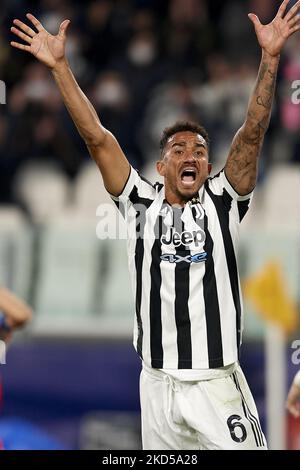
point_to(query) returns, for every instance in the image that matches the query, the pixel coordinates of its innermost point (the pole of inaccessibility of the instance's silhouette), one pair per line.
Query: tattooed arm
(242, 163)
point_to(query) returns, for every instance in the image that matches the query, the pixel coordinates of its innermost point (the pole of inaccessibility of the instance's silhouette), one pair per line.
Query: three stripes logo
(251, 418)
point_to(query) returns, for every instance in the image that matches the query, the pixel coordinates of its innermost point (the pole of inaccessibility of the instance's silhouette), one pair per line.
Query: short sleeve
(229, 188)
(137, 190)
(132, 181)
(221, 187)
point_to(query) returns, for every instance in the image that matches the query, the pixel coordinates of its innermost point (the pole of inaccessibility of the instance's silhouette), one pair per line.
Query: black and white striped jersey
(183, 269)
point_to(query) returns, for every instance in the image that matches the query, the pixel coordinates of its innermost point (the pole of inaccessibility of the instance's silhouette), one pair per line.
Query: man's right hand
(102, 145)
(44, 46)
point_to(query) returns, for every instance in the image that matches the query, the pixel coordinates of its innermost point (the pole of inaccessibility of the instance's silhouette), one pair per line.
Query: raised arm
(242, 163)
(101, 144)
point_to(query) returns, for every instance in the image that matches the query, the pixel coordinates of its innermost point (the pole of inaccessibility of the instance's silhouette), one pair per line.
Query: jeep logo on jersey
(185, 238)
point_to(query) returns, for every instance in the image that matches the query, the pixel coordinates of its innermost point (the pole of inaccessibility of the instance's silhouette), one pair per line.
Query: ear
(209, 166)
(160, 166)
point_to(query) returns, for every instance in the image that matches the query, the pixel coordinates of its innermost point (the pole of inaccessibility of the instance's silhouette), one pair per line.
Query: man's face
(184, 166)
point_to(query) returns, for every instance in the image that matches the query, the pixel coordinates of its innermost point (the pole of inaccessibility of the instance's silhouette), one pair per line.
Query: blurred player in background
(181, 247)
(293, 399)
(14, 314)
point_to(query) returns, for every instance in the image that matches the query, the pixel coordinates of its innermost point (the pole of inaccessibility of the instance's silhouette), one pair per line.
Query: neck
(177, 199)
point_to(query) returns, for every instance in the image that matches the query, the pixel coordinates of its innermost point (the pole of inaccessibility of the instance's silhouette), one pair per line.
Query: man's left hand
(274, 35)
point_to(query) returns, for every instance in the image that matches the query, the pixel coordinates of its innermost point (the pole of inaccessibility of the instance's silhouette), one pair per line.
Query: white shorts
(202, 415)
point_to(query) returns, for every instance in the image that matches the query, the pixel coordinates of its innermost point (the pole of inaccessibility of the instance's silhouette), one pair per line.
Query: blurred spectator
(112, 100)
(290, 111)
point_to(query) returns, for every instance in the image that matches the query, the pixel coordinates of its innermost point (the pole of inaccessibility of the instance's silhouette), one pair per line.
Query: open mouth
(188, 176)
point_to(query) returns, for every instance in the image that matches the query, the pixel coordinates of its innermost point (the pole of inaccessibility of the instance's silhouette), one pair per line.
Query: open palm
(44, 46)
(273, 36)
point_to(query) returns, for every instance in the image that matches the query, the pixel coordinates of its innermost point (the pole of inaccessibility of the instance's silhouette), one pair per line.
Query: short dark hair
(182, 126)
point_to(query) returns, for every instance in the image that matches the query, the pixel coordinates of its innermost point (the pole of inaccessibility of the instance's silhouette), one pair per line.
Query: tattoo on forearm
(264, 90)
(255, 135)
(241, 166)
(272, 74)
(266, 104)
(260, 107)
(262, 72)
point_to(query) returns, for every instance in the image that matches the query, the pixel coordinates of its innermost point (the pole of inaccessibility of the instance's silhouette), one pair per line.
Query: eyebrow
(183, 144)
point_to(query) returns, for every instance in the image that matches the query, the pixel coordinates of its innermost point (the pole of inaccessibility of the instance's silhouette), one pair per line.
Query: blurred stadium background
(71, 379)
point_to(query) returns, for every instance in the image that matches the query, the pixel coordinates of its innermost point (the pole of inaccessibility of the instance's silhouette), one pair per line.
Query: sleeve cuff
(229, 188)
(131, 181)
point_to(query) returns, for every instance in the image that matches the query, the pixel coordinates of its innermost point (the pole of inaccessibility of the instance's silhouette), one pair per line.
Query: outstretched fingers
(292, 11)
(29, 31)
(35, 22)
(20, 46)
(282, 9)
(24, 32)
(294, 29)
(21, 35)
(294, 20)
